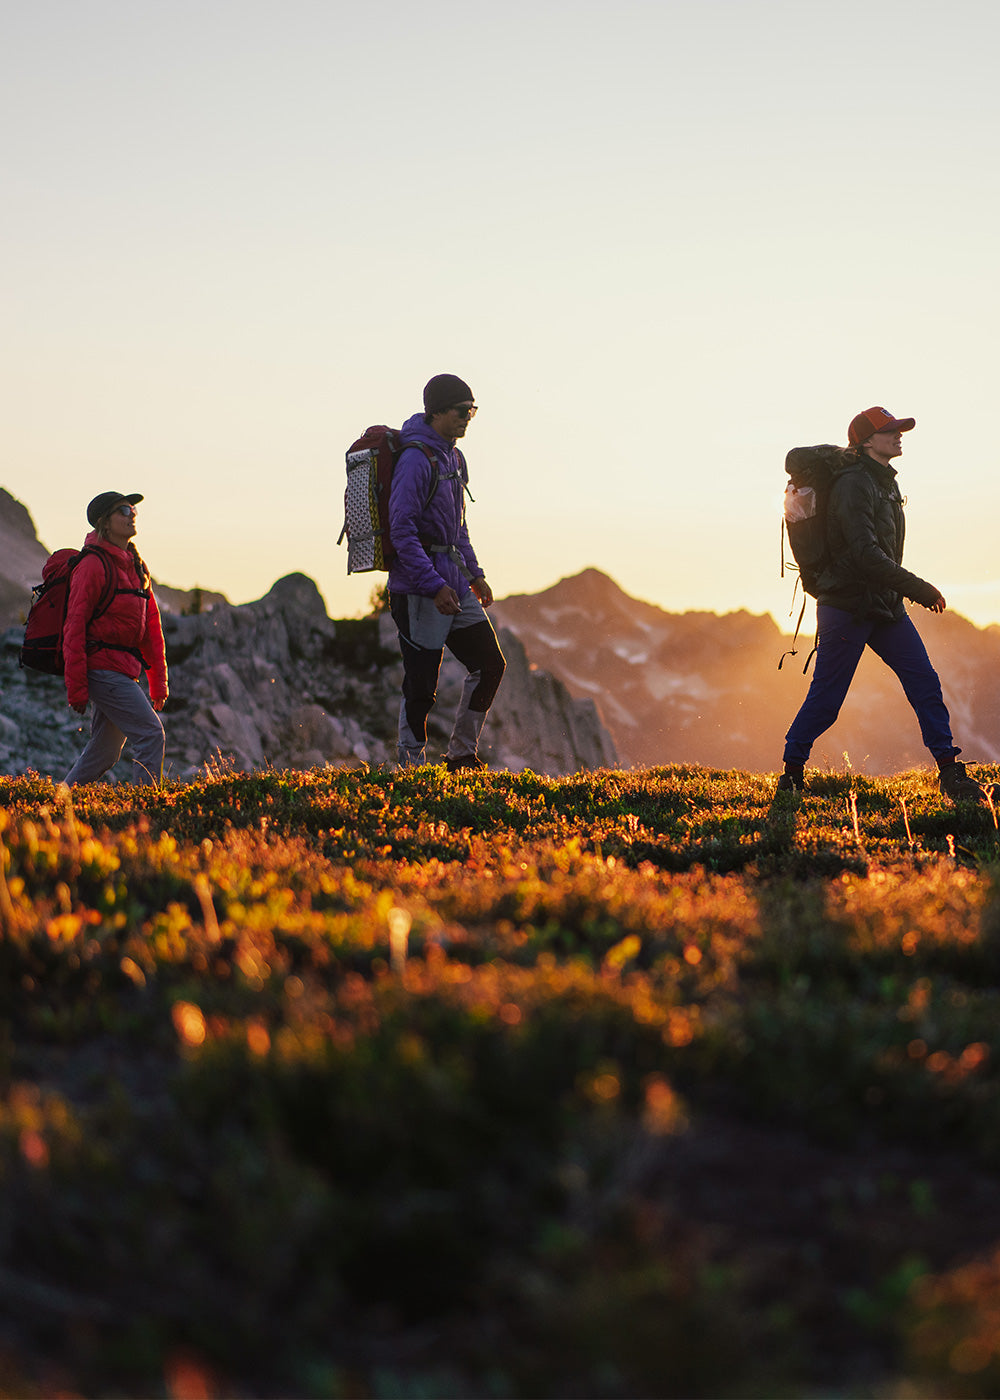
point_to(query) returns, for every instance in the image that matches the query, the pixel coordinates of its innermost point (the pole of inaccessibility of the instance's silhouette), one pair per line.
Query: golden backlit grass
(358, 1083)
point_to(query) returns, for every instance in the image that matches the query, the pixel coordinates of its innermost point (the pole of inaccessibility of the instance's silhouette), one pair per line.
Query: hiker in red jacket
(106, 655)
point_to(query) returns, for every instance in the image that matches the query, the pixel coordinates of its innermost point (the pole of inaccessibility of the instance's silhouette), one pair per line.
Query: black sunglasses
(467, 410)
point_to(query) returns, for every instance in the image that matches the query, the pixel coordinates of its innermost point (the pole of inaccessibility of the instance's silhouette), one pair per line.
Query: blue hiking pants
(121, 711)
(840, 642)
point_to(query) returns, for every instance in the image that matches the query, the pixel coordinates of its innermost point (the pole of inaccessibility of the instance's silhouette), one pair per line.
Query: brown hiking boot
(466, 761)
(959, 787)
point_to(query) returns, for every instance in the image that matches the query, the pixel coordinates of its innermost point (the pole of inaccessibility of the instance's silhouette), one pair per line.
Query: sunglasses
(125, 510)
(467, 410)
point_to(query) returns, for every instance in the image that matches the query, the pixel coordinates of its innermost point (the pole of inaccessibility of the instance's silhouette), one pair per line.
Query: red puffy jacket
(132, 620)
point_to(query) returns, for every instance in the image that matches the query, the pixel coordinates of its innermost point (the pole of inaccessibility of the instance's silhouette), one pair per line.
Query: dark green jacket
(865, 531)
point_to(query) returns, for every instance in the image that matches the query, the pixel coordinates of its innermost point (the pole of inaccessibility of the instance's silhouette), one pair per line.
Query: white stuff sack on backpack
(800, 503)
(361, 522)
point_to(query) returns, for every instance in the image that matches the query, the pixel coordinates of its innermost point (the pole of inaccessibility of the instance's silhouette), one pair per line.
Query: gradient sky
(663, 240)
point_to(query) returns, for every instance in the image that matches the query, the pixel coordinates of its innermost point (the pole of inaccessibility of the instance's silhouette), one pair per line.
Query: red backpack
(370, 464)
(43, 631)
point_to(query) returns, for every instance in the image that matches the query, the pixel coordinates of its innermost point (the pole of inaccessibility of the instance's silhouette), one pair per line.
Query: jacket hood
(417, 429)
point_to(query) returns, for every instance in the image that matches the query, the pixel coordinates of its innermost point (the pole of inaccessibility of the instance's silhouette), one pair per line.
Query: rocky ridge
(276, 683)
(592, 673)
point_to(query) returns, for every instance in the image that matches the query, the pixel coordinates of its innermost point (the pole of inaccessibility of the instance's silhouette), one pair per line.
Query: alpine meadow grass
(374, 1083)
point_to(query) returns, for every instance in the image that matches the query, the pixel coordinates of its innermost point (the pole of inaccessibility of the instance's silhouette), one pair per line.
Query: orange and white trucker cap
(876, 420)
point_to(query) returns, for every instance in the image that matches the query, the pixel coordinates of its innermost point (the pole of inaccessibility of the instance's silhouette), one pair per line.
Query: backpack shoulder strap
(465, 478)
(108, 595)
(431, 456)
(461, 476)
(110, 582)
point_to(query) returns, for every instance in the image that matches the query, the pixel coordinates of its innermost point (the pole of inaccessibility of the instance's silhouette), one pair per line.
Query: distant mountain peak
(591, 593)
(591, 585)
(590, 588)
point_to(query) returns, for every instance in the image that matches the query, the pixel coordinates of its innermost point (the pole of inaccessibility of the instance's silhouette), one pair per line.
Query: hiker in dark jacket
(437, 589)
(860, 603)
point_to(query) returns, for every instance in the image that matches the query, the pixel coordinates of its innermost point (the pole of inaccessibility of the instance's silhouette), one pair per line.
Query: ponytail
(145, 578)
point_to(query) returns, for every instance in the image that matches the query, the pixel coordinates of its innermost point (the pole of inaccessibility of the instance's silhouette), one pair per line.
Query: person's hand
(483, 591)
(447, 602)
(80, 707)
(939, 605)
(158, 704)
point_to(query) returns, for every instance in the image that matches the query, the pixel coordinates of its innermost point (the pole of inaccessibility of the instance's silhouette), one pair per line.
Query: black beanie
(444, 391)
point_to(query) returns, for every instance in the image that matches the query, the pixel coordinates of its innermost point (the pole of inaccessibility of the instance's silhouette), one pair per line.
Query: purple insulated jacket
(413, 519)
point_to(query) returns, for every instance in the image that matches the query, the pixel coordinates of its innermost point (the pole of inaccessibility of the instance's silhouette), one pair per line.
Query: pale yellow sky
(663, 241)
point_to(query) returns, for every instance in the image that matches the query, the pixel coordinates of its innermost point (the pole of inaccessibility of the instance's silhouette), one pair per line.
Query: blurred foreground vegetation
(365, 1084)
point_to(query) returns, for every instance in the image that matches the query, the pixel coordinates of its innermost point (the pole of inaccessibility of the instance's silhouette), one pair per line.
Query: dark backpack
(810, 475)
(42, 649)
(371, 462)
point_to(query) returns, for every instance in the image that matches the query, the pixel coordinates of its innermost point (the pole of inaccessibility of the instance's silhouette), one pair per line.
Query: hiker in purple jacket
(437, 590)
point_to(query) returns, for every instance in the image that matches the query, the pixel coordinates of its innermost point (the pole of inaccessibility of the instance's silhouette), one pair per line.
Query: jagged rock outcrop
(237, 673)
(535, 722)
(277, 683)
(21, 559)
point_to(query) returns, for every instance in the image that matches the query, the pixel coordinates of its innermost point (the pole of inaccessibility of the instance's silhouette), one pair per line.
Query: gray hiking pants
(121, 711)
(423, 634)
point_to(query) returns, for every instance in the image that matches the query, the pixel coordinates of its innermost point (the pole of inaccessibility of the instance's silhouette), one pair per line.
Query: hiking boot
(791, 782)
(464, 762)
(959, 787)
